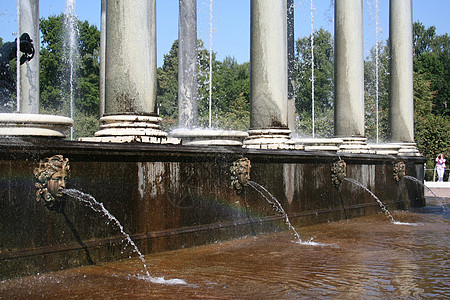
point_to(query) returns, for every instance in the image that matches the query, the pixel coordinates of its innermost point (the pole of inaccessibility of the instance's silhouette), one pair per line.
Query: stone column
(130, 74)
(268, 74)
(291, 64)
(187, 64)
(401, 96)
(102, 56)
(29, 71)
(349, 75)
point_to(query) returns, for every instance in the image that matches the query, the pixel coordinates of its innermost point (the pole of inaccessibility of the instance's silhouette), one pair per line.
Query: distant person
(440, 166)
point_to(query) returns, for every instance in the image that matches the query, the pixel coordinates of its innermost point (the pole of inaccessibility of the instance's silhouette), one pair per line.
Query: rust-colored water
(364, 258)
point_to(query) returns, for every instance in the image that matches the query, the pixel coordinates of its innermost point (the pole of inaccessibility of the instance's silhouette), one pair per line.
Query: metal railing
(435, 174)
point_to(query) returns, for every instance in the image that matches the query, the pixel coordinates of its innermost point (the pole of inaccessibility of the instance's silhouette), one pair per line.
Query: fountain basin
(172, 196)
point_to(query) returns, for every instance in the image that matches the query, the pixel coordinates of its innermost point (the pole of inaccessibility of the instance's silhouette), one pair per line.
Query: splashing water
(72, 54)
(277, 206)
(383, 207)
(423, 185)
(96, 206)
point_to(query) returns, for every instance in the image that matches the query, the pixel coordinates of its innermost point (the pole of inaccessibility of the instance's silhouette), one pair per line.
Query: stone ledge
(15, 124)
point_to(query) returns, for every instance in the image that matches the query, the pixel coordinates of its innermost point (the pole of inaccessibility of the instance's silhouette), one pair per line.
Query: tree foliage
(54, 81)
(431, 91)
(376, 90)
(323, 83)
(230, 90)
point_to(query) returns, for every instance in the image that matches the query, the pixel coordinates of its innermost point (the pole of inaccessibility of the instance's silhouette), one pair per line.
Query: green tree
(422, 38)
(432, 132)
(370, 93)
(167, 88)
(230, 96)
(54, 91)
(323, 84)
(230, 90)
(432, 59)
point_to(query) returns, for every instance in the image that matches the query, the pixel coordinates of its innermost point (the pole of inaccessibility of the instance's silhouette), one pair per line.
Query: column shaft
(29, 71)
(349, 69)
(187, 64)
(130, 85)
(291, 64)
(401, 97)
(268, 58)
(102, 56)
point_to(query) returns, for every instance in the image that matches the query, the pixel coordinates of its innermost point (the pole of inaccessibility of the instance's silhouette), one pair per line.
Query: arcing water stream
(382, 206)
(98, 207)
(430, 190)
(277, 206)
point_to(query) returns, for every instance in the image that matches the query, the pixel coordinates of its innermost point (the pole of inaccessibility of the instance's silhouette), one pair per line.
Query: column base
(319, 144)
(131, 128)
(385, 149)
(271, 139)
(408, 149)
(354, 145)
(209, 137)
(16, 124)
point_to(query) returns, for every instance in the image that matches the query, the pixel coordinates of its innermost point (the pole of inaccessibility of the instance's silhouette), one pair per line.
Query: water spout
(430, 190)
(382, 206)
(71, 55)
(96, 206)
(277, 206)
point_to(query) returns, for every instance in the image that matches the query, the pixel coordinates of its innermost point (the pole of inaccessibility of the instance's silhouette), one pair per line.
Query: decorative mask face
(240, 173)
(57, 183)
(51, 175)
(338, 173)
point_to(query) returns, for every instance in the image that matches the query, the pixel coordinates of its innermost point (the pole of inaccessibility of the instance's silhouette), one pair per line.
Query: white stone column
(187, 64)
(130, 73)
(268, 74)
(401, 95)
(102, 56)
(291, 64)
(29, 71)
(349, 75)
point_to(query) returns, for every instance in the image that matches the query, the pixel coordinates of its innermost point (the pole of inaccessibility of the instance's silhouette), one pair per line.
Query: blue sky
(231, 21)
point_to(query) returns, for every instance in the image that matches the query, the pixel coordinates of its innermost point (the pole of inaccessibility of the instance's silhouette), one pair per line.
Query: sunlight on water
(367, 258)
(162, 280)
(404, 223)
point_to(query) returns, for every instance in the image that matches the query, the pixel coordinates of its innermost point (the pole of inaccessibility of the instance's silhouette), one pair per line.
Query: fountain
(27, 122)
(168, 195)
(188, 131)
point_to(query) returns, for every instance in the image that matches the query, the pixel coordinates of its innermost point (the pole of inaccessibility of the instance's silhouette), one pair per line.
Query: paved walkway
(441, 189)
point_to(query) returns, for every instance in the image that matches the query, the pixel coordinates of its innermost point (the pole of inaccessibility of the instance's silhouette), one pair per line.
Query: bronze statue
(8, 52)
(52, 174)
